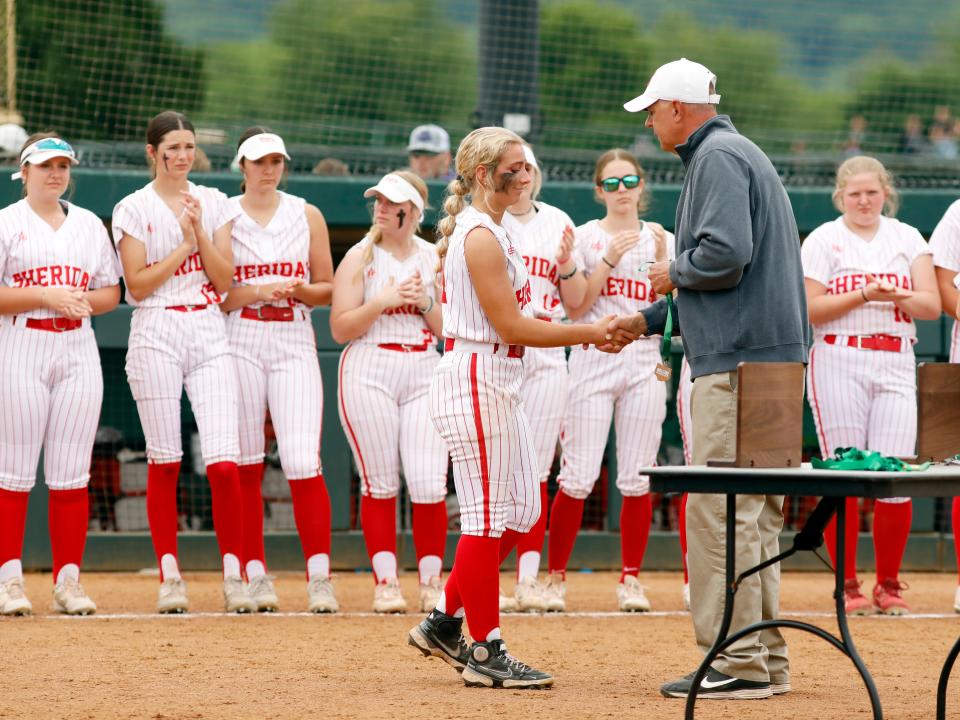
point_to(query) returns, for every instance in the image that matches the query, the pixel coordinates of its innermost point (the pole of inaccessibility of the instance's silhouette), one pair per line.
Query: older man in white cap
(429, 152)
(740, 299)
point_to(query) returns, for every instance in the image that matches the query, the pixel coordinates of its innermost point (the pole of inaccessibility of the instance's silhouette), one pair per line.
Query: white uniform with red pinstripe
(620, 386)
(173, 349)
(51, 384)
(861, 397)
(384, 387)
(475, 397)
(276, 361)
(945, 246)
(545, 375)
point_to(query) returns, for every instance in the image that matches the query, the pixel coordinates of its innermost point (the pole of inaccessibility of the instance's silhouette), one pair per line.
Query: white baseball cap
(43, 150)
(395, 189)
(682, 80)
(429, 138)
(258, 146)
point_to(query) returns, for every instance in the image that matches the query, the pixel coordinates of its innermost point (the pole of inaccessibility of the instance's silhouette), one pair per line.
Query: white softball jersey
(51, 384)
(145, 216)
(463, 317)
(276, 361)
(404, 324)
(840, 260)
(945, 246)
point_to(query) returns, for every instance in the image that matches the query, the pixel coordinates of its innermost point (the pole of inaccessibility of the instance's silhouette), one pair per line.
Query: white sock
(430, 567)
(231, 566)
(318, 566)
(384, 565)
(11, 569)
(71, 571)
(528, 565)
(255, 569)
(493, 634)
(169, 568)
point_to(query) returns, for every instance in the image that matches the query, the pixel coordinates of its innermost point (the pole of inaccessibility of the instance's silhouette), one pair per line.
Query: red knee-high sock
(532, 541)
(251, 504)
(635, 513)
(429, 529)
(478, 580)
(508, 541)
(13, 521)
(227, 516)
(162, 508)
(311, 512)
(69, 518)
(891, 529)
(956, 530)
(849, 541)
(378, 520)
(682, 527)
(565, 518)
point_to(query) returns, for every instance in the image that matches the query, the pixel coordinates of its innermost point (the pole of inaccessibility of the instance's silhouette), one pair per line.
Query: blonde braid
(454, 202)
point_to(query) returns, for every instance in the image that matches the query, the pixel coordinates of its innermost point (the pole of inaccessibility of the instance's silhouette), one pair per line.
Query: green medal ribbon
(667, 331)
(856, 459)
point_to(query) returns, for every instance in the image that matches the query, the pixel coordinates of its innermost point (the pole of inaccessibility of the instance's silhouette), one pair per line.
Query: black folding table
(833, 486)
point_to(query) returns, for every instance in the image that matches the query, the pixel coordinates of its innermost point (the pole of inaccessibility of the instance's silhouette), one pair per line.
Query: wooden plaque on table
(938, 411)
(769, 416)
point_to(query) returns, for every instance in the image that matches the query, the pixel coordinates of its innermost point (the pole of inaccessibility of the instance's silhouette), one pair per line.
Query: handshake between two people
(618, 331)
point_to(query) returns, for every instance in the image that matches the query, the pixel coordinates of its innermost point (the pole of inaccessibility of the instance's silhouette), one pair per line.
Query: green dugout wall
(341, 201)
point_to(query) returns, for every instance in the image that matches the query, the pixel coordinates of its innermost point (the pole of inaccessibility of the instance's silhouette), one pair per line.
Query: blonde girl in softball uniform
(174, 243)
(867, 277)
(283, 269)
(614, 252)
(544, 235)
(385, 305)
(476, 404)
(57, 269)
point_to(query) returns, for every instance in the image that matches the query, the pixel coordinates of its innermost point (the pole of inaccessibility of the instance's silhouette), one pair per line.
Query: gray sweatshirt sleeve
(720, 224)
(656, 316)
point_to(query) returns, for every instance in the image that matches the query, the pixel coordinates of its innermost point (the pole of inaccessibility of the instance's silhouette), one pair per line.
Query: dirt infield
(128, 663)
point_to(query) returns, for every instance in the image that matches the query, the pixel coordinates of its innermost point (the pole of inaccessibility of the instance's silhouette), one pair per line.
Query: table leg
(944, 679)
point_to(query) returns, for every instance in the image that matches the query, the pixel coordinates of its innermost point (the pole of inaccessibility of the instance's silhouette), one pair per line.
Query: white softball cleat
(387, 597)
(13, 599)
(508, 603)
(530, 595)
(236, 599)
(320, 596)
(263, 594)
(631, 596)
(172, 596)
(555, 593)
(430, 594)
(69, 598)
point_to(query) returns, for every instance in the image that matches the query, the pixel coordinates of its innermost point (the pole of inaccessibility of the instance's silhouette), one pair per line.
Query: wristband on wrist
(608, 263)
(569, 275)
(424, 311)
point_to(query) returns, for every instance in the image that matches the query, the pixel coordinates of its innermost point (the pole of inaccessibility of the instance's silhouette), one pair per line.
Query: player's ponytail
(484, 146)
(858, 165)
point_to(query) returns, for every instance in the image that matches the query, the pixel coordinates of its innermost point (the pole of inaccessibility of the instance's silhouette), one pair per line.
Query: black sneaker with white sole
(441, 635)
(490, 665)
(718, 686)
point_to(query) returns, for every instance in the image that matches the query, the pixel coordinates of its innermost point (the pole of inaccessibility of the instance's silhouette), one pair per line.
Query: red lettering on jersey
(371, 271)
(283, 269)
(523, 295)
(402, 310)
(210, 293)
(542, 267)
(193, 263)
(854, 281)
(56, 275)
(625, 287)
(52, 275)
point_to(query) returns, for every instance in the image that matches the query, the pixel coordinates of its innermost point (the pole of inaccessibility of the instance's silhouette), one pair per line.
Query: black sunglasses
(612, 184)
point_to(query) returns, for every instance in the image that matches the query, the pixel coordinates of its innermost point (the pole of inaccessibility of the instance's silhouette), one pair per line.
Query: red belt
(57, 324)
(402, 347)
(513, 351)
(888, 343)
(187, 308)
(268, 313)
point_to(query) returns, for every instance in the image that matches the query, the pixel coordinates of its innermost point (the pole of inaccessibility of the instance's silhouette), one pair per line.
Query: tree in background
(100, 70)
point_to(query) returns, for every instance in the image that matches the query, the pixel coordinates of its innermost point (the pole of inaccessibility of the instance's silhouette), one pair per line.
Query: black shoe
(441, 635)
(718, 686)
(491, 666)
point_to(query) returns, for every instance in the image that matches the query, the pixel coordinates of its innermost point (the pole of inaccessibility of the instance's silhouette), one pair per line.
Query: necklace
(531, 209)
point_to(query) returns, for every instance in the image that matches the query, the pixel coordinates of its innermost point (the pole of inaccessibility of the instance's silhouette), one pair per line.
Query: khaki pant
(760, 656)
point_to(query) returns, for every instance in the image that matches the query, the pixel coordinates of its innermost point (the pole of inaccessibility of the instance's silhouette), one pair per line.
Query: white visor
(529, 156)
(395, 189)
(258, 146)
(43, 150)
